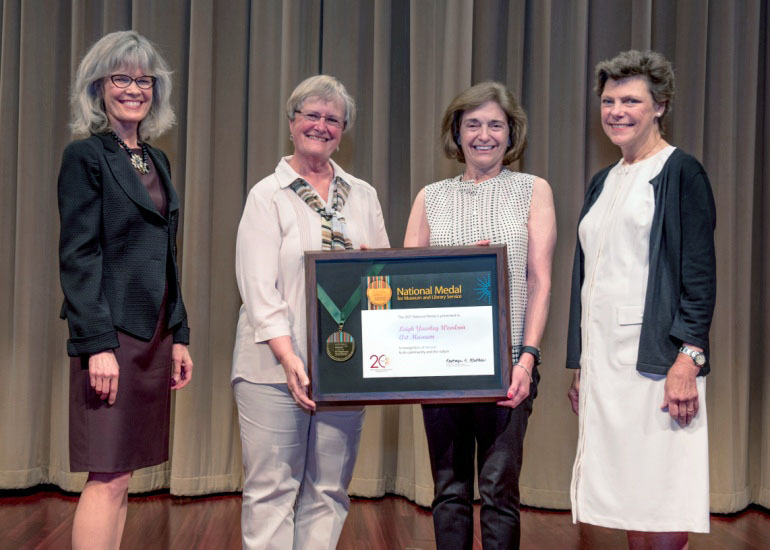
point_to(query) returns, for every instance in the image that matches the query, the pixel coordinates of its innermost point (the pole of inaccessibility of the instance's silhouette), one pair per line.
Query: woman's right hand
(294, 368)
(574, 391)
(103, 371)
(297, 380)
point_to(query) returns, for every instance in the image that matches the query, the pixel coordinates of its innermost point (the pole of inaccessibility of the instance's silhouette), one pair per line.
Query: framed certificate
(409, 325)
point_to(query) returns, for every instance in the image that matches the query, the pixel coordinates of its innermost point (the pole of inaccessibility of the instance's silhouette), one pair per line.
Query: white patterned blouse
(463, 212)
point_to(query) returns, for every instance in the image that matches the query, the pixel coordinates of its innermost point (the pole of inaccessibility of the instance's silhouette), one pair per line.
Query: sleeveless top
(463, 212)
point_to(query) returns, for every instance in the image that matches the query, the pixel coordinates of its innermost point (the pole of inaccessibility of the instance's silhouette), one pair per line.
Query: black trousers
(496, 434)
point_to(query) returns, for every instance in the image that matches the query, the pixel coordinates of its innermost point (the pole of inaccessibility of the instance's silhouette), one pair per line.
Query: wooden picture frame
(427, 281)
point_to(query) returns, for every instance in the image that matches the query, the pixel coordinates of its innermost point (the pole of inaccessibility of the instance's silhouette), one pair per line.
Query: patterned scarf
(333, 227)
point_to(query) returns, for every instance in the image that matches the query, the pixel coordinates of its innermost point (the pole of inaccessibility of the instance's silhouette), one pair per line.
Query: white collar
(287, 175)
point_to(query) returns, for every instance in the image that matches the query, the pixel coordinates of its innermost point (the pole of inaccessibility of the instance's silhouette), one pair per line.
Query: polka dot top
(462, 213)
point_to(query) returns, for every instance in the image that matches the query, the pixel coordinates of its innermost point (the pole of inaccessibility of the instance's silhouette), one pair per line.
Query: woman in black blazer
(117, 255)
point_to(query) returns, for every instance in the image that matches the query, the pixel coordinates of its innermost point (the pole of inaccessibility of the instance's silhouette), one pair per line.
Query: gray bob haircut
(114, 52)
(323, 87)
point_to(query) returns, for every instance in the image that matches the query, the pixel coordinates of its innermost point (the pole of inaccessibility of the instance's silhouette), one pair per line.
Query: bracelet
(531, 380)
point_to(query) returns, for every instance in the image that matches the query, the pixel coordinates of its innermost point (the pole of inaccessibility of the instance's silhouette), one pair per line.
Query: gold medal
(379, 296)
(378, 291)
(340, 346)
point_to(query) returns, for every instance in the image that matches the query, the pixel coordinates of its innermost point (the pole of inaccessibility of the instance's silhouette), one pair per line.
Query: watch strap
(698, 357)
(532, 350)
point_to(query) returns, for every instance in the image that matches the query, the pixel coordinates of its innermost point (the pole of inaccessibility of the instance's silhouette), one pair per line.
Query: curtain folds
(235, 64)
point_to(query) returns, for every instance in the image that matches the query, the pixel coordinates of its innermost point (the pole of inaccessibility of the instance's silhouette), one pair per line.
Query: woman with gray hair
(122, 301)
(297, 461)
(643, 294)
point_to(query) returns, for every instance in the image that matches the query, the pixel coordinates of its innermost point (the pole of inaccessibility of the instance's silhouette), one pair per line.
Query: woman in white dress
(643, 293)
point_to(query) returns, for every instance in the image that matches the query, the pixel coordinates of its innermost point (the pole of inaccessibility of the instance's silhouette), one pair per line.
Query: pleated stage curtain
(235, 63)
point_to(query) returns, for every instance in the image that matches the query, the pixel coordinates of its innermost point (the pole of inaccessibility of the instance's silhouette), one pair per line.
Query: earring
(338, 148)
(291, 137)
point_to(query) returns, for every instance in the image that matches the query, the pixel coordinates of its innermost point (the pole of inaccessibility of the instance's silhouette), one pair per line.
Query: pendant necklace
(139, 162)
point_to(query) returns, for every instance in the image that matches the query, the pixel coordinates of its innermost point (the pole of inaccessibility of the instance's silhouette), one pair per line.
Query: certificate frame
(334, 383)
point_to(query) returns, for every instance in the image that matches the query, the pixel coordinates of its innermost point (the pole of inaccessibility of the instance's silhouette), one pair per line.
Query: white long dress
(635, 468)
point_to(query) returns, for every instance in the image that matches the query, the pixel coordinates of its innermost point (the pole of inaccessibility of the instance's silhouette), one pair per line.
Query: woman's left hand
(521, 378)
(680, 394)
(183, 366)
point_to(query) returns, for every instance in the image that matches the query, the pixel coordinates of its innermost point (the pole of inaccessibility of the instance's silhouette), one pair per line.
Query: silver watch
(698, 357)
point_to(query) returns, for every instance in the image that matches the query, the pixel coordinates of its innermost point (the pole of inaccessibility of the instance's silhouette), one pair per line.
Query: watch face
(700, 359)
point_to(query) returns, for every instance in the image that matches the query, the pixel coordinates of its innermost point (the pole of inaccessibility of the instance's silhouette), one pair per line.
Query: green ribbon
(341, 316)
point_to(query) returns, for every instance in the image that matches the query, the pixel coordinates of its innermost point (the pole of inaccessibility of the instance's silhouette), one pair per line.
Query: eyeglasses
(124, 81)
(316, 117)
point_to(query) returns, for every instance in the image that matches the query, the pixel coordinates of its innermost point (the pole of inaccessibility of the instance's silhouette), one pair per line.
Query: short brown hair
(651, 65)
(474, 97)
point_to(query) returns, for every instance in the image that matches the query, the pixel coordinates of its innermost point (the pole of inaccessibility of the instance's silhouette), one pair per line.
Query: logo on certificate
(379, 362)
(378, 291)
(484, 289)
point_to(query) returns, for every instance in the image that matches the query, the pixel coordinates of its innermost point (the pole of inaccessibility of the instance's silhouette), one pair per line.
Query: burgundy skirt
(134, 432)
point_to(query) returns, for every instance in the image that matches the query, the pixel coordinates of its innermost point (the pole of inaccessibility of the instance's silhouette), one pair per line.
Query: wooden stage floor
(41, 518)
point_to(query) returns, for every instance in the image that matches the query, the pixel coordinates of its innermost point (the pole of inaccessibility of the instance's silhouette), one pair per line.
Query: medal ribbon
(340, 316)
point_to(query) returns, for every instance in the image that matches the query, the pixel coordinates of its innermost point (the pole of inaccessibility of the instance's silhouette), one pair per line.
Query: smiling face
(317, 139)
(629, 114)
(484, 137)
(126, 107)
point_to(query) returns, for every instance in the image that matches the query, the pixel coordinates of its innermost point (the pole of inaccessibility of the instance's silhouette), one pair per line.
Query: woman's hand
(680, 394)
(103, 370)
(183, 366)
(574, 392)
(294, 368)
(484, 242)
(297, 380)
(521, 378)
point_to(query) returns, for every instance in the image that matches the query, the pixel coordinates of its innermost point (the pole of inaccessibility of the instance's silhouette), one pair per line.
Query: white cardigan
(276, 228)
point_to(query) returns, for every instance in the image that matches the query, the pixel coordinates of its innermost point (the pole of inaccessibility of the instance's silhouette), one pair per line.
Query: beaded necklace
(140, 163)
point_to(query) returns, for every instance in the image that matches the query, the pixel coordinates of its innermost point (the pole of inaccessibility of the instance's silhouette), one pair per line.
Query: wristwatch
(532, 350)
(698, 357)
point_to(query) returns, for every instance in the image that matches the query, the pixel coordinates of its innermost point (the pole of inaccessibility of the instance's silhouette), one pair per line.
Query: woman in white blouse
(297, 461)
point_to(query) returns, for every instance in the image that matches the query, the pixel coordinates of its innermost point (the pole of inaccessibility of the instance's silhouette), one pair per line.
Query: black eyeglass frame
(132, 80)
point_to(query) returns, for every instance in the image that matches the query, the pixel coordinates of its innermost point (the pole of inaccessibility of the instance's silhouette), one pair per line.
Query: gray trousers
(297, 467)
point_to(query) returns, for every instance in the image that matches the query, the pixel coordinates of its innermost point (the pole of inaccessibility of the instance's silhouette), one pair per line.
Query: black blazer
(116, 251)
